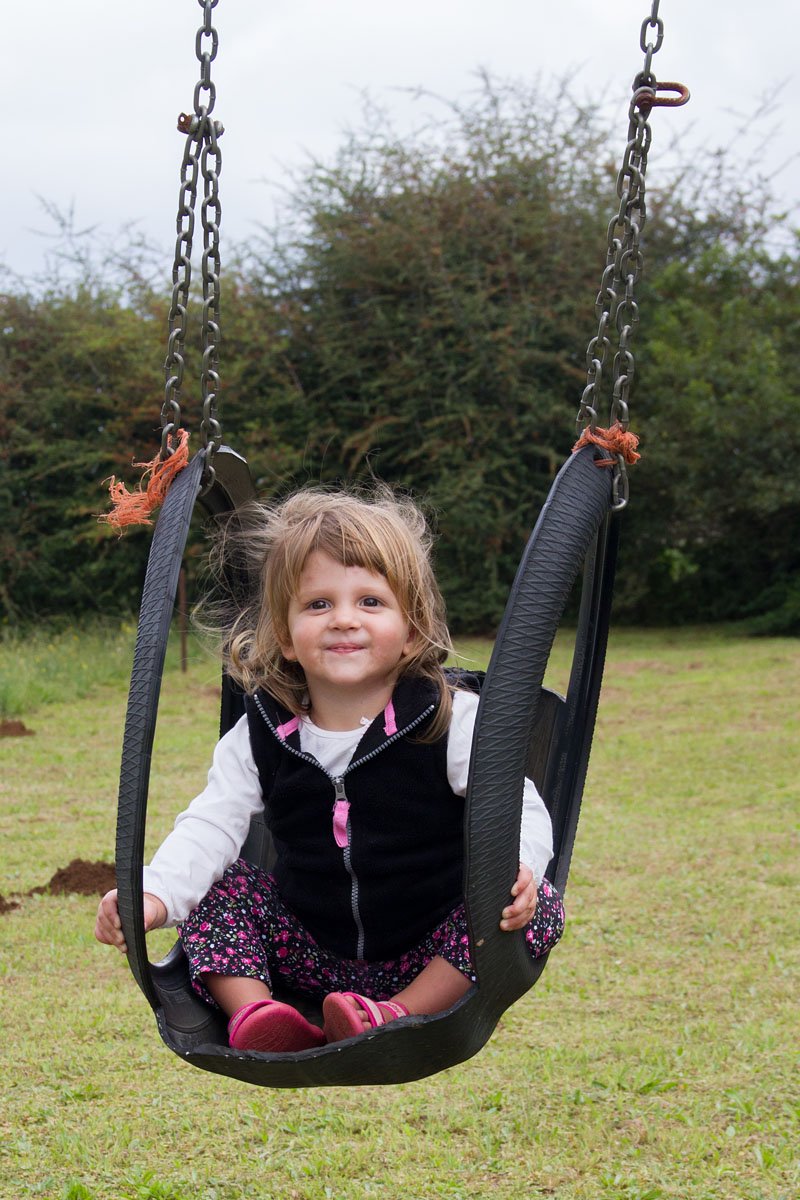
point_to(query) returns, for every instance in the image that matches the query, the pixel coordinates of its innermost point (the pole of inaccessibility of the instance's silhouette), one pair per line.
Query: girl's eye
(318, 605)
(371, 602)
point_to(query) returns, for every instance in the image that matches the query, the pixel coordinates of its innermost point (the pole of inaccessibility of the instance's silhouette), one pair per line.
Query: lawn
(655, 1060)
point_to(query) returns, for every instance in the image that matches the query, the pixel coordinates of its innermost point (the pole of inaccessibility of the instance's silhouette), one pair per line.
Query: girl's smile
(349, 634)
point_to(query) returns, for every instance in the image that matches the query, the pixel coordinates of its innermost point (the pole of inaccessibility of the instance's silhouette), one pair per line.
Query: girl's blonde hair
(259, 558)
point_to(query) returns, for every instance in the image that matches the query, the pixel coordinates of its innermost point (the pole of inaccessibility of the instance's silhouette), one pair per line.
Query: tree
(433, 311)
(717, 515)
(79, 383)
(426, 318)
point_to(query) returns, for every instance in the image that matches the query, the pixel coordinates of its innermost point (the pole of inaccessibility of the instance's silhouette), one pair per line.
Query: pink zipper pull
(341, 812)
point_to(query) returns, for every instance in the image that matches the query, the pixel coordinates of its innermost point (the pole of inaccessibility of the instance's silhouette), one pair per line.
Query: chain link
(201, 155)
(616, 308)
(649, 48)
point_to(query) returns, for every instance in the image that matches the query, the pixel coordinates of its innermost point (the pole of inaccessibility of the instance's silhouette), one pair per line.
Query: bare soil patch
(79, 877)
(83, 878)
(14, 729)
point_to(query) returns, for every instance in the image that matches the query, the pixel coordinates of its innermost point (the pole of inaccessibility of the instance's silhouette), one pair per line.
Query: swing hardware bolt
(190, 123)
(647, 97)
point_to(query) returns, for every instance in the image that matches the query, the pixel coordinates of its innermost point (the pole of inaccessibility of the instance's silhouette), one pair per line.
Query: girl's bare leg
(435, 988)
(232, 992)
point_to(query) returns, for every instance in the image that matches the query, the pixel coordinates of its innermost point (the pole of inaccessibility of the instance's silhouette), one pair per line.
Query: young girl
(355, 746)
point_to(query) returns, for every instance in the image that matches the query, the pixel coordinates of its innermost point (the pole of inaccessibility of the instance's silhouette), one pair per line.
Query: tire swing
(522, 728)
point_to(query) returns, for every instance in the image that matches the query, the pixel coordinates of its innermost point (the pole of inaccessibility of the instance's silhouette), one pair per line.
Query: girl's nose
(345, 616)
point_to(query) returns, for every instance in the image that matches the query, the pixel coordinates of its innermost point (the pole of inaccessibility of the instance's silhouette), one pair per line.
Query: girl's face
(346, 630)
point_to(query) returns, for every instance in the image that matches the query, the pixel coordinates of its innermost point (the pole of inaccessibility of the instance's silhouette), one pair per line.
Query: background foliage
(424, 317)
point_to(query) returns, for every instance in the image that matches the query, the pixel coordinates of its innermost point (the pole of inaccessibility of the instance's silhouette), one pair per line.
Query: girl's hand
(523, 906)
(108, 927)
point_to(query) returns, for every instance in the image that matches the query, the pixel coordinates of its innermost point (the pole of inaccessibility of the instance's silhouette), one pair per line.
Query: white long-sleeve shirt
(210, 833)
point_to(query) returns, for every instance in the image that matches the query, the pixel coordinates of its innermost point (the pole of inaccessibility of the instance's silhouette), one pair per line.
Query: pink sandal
(272, 1028)
(342, 1019)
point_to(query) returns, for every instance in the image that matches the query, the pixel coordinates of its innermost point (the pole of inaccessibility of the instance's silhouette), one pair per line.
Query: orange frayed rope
(136, 507)
(615, 440)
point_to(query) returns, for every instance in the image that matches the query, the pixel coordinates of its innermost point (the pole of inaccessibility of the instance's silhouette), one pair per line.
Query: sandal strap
(395, 1007)
(373, 1008)
(243, 1012)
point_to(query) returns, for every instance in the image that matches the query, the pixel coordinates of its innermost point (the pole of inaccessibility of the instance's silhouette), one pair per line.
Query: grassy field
(655, 1060)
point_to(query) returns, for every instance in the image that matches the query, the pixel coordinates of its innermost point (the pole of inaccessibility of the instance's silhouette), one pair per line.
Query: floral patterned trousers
(243, 929)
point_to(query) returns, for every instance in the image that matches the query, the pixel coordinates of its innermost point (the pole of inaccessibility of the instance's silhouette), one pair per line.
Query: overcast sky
(93, 88)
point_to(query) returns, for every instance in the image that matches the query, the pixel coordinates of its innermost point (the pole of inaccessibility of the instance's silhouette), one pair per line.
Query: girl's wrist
(160, 911)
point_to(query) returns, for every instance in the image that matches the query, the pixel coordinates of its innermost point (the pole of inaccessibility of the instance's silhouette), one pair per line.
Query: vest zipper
(341, 805)
(341, 816)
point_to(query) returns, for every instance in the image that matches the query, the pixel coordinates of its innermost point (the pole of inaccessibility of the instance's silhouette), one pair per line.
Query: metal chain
(646, 75)
(616, 307)
(201, 154)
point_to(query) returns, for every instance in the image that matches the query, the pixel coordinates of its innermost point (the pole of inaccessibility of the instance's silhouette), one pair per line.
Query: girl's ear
(283, 637)
(411, 642)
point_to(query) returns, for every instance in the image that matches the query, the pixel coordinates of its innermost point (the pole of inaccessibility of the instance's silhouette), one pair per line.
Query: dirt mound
(78, 878)
(84, 878)
(14, 729)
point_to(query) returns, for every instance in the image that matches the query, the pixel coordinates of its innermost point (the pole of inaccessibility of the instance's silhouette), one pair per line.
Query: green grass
(655, 1060)
(43, 668)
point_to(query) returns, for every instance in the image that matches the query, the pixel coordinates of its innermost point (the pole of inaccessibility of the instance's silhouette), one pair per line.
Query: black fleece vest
(401, 869)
